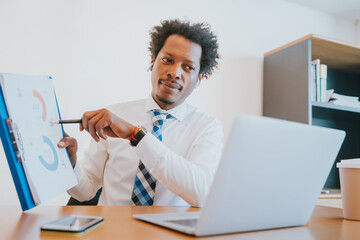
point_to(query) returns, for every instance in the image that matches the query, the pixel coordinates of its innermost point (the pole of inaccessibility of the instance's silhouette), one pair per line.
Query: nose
(174, 72)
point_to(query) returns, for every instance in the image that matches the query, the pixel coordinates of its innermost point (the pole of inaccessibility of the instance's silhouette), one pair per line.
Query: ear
(151, 66)
(201, 76)
(152, 63)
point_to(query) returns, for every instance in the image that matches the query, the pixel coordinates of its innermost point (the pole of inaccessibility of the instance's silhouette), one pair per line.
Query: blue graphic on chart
(31, 104)
(50, 166)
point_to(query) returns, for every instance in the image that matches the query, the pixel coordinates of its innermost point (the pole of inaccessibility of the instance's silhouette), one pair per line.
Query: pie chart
(43, 105)
(50, 166)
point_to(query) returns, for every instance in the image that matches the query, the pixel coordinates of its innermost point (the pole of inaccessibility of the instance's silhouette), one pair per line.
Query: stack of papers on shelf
(343, 100)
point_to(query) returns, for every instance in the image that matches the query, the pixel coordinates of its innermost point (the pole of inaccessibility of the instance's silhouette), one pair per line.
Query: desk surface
(325, 223)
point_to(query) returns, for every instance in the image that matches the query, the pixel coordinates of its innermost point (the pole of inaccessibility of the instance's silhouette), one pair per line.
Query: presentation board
(40, 169)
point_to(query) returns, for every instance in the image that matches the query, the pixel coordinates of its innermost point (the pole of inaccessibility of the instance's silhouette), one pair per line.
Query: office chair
(92, 202)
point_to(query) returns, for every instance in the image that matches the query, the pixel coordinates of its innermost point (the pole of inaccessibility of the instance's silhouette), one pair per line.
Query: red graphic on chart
(41, 99)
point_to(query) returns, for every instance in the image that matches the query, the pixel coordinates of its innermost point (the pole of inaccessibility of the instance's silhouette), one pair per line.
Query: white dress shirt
(184, 163)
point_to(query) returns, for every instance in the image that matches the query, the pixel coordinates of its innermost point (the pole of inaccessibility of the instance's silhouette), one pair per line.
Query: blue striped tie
(144, 187)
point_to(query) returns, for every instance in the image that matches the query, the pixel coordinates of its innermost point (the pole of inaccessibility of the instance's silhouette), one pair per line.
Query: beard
(164, 100)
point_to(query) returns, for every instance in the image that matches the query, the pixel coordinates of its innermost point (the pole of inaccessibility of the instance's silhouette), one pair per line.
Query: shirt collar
(178, 112)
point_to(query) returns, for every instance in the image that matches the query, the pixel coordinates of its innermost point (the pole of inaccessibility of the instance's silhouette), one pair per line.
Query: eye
(190, 68)
(166, 60)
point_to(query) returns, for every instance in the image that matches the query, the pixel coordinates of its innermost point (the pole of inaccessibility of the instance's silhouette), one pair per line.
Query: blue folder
(15, 165)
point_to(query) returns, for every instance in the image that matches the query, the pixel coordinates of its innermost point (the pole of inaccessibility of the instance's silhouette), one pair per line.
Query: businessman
(159, 150)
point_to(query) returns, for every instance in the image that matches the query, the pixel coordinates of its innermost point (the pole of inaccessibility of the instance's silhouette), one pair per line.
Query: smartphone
(72, 224)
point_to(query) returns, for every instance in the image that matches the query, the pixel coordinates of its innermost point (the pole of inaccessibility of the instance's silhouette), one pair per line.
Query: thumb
(66, 142)
(62, 143)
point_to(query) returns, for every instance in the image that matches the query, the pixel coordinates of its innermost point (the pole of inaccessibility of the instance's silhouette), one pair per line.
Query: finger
(103, 123)
(91, 125)
(67, 142)
(61, 144)
(86, 117)
(115, 126)
(101, 133)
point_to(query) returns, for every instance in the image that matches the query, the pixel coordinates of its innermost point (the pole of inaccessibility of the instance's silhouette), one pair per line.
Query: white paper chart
(31, 105)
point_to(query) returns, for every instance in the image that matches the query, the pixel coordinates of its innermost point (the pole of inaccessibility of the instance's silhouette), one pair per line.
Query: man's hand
(71, 144)
(102, 123)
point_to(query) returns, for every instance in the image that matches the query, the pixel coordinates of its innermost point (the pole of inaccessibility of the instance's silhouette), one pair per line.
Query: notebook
(270, 176)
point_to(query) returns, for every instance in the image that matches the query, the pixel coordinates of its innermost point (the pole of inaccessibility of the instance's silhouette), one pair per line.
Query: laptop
(270, 176)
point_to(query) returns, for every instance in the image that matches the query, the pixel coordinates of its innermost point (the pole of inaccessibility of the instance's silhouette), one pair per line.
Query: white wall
(357, 31)
(96, 51)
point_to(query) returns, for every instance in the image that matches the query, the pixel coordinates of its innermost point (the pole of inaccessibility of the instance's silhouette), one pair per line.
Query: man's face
(175, 71)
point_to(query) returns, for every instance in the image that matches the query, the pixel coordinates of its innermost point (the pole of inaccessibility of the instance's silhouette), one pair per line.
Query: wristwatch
(134, 141)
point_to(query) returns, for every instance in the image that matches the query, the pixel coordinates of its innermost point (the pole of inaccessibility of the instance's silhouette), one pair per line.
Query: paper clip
(15, 139)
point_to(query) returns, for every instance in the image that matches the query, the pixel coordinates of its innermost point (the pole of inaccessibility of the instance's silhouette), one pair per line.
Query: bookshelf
(287, 89)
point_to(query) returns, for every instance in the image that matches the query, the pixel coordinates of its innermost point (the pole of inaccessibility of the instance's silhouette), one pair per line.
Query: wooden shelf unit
(288, 82)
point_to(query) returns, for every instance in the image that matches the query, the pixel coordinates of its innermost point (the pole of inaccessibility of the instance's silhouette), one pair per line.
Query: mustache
(172, 81)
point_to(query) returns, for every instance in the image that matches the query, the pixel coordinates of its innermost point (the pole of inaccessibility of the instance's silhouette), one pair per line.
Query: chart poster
(32, 106)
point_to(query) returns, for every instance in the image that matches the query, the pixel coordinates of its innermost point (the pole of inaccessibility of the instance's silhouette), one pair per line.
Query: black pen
(67, 121)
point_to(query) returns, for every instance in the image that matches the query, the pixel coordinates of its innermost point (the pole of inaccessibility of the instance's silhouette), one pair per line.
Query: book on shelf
(316, 79)
(313, 82)
(319, 81)
(323, 82)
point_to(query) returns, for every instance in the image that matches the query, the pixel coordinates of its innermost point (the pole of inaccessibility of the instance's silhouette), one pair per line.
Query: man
(174, 148)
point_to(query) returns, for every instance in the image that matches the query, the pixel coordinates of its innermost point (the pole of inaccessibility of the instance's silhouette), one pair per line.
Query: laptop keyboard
(186, 222)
